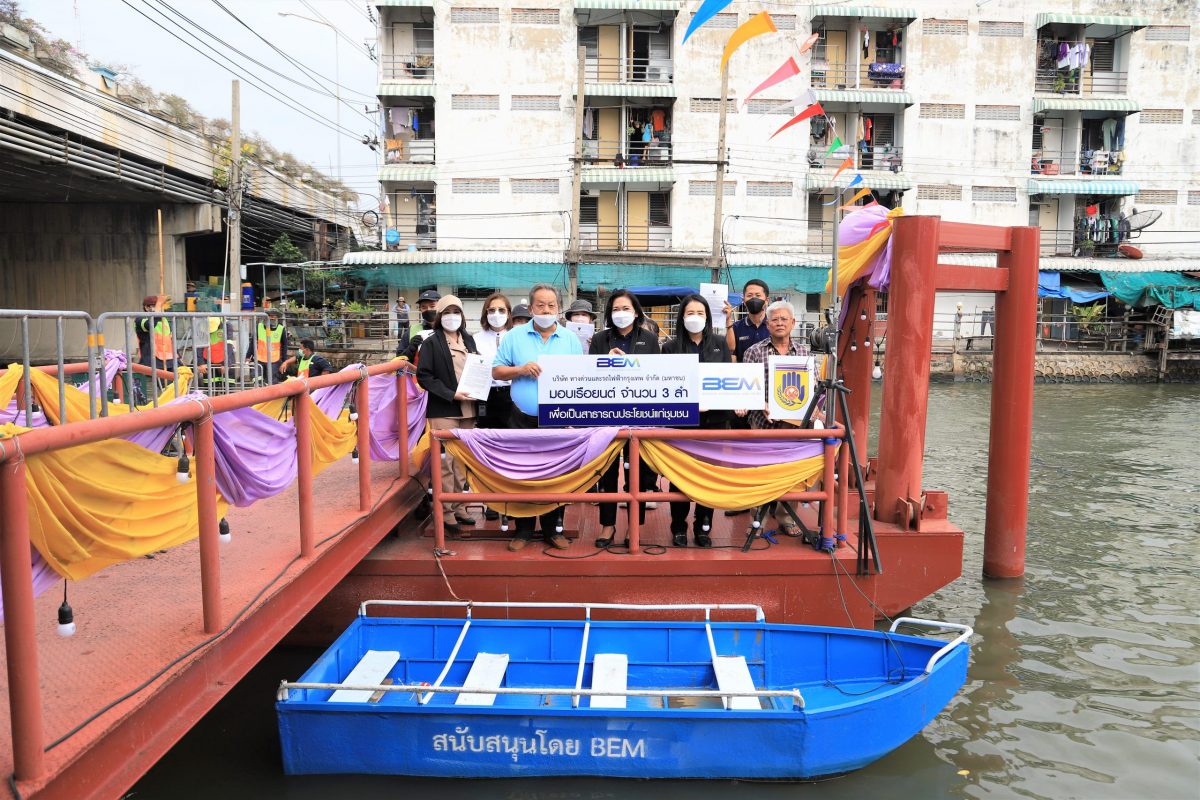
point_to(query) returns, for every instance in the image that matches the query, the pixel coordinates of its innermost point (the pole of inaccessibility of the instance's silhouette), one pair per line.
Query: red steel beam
(362, 401)
(435, 485)
(966, 236)
(633, 485)
(402, 423)
(961, 278)
(206, 518)
(302, 419)
(856, 365)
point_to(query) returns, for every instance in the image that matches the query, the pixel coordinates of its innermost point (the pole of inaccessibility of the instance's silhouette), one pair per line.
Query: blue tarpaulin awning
(1050, 284)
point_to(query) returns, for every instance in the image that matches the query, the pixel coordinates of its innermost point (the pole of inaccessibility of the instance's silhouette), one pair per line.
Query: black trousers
(679, 515)
(608, 483)
(525, 525)
(498, 409)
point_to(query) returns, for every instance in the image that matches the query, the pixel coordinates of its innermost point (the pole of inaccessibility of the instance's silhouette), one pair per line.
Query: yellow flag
(861, 194)
(757, 25)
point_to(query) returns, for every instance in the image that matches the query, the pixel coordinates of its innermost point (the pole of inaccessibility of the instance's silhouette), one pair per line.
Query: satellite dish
(370, 219)
(1142, 220)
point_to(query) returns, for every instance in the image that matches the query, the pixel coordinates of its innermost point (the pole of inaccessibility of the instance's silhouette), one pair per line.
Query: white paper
(729, 387)
(716, 295)
(791, 387)
(608, 390)
(476, 380)
(585, 331)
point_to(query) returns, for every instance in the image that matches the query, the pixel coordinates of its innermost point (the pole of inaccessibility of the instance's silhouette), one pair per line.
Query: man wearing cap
(521, 314)
(427, 308)
(156, 347)
(581, 312)
(308, 364)
(269, 345)
(516, 361)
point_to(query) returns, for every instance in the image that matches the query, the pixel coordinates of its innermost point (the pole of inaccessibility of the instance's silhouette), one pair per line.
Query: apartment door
(637, 221)
(607, 222)
(836, 75)
(1046, 218)
(609, 49)
(608, 124)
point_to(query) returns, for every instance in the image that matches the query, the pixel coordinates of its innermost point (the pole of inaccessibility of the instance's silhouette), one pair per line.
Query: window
(1196, 116)
(423, 41)
(589, 210)
(475, 102)
(939, 191)
(723, 21)
(1006, 113)
(535, 102)
(768, 188)
(534, 185)
(883, 129)
(944, 27)
(711, 105)
(1162, 116)
(1103, 55)
(784, 22)
(1157, 197)
(476, 186)
(706, 188)
(475, 16)
(1168, 33)
(994, 194)
(660, 208)
(943, 111)
(1193, 198)
(535, 16)
(999, 28)
(589, 40)
(767, 106)
(473, 292)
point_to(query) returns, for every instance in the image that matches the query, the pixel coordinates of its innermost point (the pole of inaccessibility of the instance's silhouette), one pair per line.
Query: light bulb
(66, 620)
(224, 536)
(354, 456)
(181, 471)
(706, 528)
(504, 524)
(866, 342)
(353, 412)
(853, 348)
(755, 524)
(862, 315)
(877, 373)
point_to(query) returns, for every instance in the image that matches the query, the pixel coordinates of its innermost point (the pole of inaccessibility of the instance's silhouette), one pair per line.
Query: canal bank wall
(1067, 368)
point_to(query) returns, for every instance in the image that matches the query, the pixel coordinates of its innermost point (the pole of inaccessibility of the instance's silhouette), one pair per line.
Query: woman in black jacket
(694, 335)
(440, 365)
(623, 336)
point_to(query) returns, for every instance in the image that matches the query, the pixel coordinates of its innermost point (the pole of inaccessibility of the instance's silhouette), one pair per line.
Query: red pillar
(206, 518)
(856, 365)
(402, 422)
(302, 419)
(361, 399)
(20, 631)
(906, 387)
(1012, 410)
(633, 485)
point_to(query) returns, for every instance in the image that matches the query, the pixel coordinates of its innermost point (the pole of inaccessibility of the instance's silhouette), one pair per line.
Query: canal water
(1084, 678)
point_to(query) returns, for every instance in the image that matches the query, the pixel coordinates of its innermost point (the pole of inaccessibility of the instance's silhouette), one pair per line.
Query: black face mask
(428, 316)
(755, 305)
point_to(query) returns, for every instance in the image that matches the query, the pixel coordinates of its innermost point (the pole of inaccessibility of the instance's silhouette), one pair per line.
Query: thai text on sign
(608, 390)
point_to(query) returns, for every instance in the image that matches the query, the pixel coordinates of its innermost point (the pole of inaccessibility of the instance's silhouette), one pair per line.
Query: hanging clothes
(399, 118)
(1108, 129)
(589, 122)
(1064, 56)
(658, 118)
(868, 124)
(866, 43)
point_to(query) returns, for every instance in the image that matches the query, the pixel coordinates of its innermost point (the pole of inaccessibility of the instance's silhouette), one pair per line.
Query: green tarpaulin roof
(1171, 289)
(1091, 19)
(1082, 186)
(1041, 104)
(876, 12)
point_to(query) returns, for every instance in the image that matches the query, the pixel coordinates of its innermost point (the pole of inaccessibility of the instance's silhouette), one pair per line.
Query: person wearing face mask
(581, 312)
(752, 328)
(694, 335)
(516, 361)
(440, 364)
(494, 324)
(427, 308)
(625, 335)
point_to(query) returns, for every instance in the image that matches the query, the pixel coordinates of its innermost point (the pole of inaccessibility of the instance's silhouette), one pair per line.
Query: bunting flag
(707, 10)
(857, 180)
(847, 164)
(860, 194)
(811, 111)
(809, 42)
(789, 69)
(837, 142)
(757, 25)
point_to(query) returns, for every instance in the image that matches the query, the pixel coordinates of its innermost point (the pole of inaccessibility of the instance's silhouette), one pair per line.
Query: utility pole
(719, 188)
(576, 180)
(233, 196)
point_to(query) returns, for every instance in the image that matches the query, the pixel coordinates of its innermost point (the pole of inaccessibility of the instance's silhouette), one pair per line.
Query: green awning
(864, 96)
(506, 275)
(1092, 20)
(816, 180)
(1082, 186)
(810, 280)
(401, 3)
(628, 5)
(406, 89)
(907, 14)
(629, 89)
(408, 172)
(628, 175)
(1170, 289)
(1041, 104)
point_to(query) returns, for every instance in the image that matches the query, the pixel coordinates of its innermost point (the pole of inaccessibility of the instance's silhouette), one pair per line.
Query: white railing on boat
(967, 632)
(587, 607)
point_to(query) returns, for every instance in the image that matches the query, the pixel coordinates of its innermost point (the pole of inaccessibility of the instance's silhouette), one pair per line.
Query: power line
(338, 31)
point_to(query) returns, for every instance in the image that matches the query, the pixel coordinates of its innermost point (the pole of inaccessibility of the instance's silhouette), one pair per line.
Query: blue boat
(492, 698)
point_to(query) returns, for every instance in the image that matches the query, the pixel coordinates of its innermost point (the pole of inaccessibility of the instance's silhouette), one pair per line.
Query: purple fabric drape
(385, 439)
(15, 415)
(530, 455)
(331, 399)
(114, 362)
(738, 454)
(255, 455)
(43, 578)
(855, 228)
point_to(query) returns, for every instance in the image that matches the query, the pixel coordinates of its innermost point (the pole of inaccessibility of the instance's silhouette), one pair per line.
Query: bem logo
(715, 384)
(617, 362)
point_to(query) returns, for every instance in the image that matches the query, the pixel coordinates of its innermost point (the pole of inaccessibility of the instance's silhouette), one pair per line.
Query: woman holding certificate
(443, 357)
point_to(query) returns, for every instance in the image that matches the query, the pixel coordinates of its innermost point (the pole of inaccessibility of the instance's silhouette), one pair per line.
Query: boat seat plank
(371, 669)
(610, 673)
(734, 676)
(487, 672)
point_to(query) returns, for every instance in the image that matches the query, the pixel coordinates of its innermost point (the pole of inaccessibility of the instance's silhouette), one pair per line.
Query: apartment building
(999, 112)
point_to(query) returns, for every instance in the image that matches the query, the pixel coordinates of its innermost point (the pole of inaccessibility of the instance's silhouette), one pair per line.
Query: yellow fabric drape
(716, 486)
(275, 408)
(98, 504)
(853, 258)
(45, 392)
(332, 439)
(8, 384)
(420, 452)
(483, 479)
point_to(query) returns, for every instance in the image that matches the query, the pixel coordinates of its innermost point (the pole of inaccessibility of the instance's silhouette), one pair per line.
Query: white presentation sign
(730, 387)
(792, 386)
(607, 390)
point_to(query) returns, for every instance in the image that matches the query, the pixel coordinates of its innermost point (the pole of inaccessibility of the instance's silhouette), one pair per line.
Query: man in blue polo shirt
(516, 361)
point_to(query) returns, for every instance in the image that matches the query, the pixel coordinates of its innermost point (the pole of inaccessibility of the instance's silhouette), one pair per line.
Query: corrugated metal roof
(1046, 18)
(408, 172)
(630, 89)
(863, 96)
(1082, 186)
(863, 11)
(629, 5)
(406, 90)
(628, 175)
(397, 3)
(401, 257)
(1084, 104)
(817, 180)
(777, 260)
(1069, 264)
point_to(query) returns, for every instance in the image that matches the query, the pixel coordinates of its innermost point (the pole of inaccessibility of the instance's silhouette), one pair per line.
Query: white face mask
(582, 319)
(545, 321)
(623, 319)
(694, 324)
(451, 322)
(497, 318)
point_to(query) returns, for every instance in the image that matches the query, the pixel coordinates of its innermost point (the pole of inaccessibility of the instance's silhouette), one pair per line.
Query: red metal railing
(24, 679)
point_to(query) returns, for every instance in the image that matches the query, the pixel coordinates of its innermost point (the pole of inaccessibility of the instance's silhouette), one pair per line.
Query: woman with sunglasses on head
(494, 323)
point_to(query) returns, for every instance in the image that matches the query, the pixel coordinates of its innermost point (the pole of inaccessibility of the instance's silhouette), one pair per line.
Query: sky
(112, 31)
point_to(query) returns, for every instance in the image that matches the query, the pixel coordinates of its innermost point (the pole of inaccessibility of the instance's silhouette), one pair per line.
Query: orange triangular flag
(847, 164)
(757, 25)
(861, 194)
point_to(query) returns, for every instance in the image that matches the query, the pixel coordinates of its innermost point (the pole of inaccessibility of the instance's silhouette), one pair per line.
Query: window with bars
(768, 188)
(999, 28)
(589, 210)
(659, 212)
(476, 185)
(1194, 198)
(534, 185)
(1005, 113)
(939, 191)
(1162, 116)
(535, 16)
(475, 102)
(764, 105)
(883, 129)
(784, 22)
(711, 105)
(944, 27)
(723, 21)
(994, 194)
(1168, 33)
(589, 40)
(943, 111)
(1157, 197)
(535, 102)
(423, 41)
(707, 188)
(1104, 54)
(1196, 116)
(475, 16)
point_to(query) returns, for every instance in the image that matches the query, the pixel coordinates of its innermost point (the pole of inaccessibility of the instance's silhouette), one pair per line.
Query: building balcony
(627, 155)
(1078, 83)
(1070, 162)
(883, 74)
(410, 222)
(600, 72)
(876, 158)
(624, 238)
(407, 67)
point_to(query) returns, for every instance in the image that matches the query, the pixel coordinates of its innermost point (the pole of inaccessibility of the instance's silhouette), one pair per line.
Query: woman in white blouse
(495, 322)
